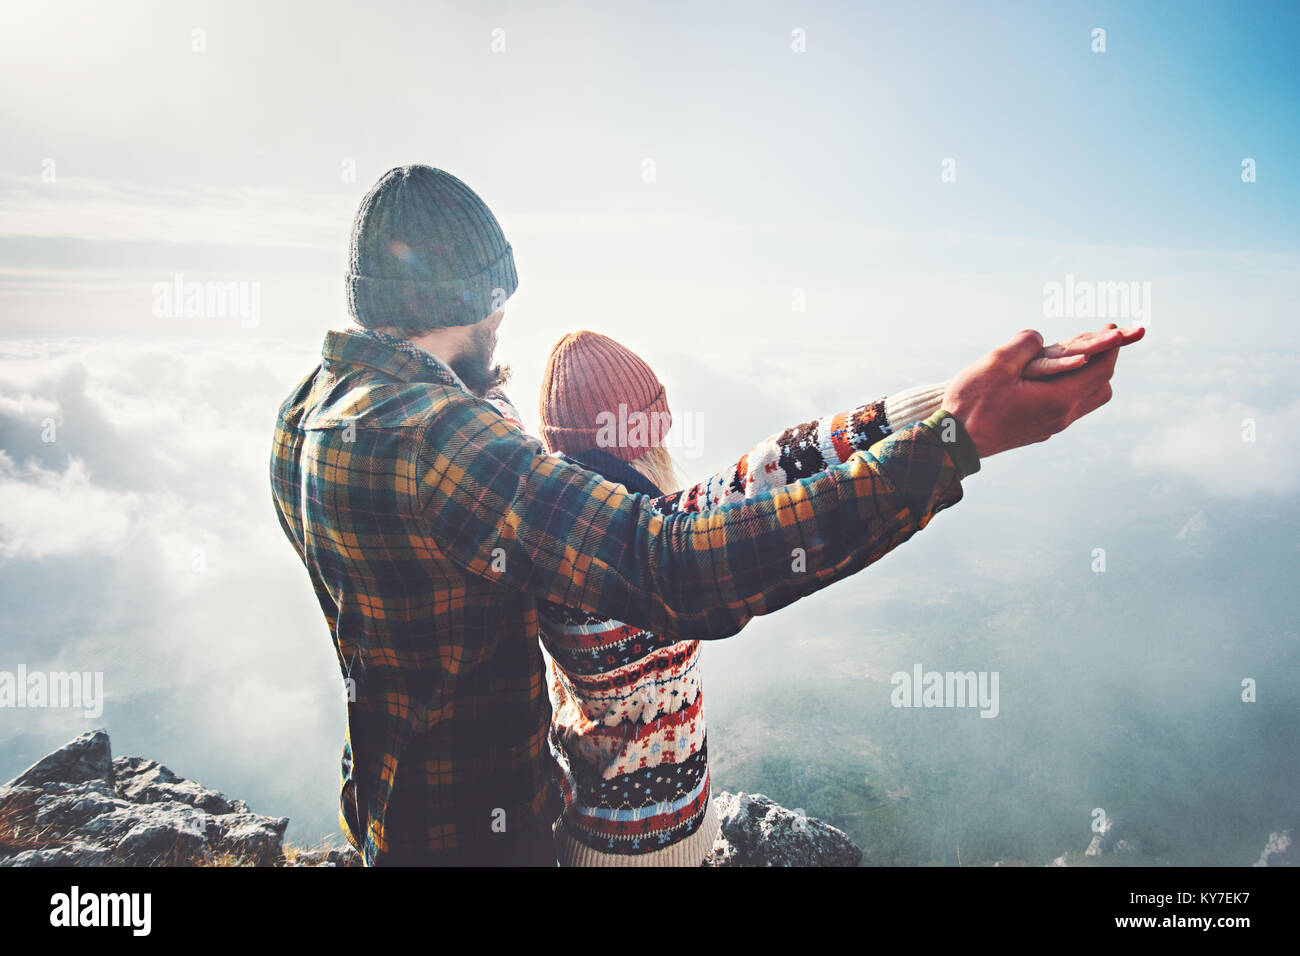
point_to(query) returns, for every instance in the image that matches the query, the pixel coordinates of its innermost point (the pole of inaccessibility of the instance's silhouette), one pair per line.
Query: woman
(627, 730)
(627, 726)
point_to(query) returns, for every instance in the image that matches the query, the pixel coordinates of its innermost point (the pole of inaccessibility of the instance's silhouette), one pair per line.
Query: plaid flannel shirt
(432, 529)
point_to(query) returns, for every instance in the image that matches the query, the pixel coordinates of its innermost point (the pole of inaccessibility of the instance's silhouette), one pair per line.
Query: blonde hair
(656, 463)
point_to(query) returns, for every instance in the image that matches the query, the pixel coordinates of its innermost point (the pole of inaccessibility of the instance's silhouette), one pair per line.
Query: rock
(87, 759)
(161, 840)
(345, 856)
(60, 856)
(253, 838)
(79, 807)
(1280, 850)
(756, 831)
(1107, 841)
(60, 812)
(148, 781)
(1104, 845)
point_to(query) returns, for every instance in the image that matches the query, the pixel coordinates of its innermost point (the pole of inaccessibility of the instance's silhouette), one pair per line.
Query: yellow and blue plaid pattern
(432, 529)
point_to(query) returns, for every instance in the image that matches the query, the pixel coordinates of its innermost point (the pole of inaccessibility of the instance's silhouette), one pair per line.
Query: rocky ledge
(80, 807)
(759, 832)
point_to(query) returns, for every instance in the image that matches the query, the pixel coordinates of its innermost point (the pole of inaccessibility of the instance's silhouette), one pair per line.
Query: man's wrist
(956, 440)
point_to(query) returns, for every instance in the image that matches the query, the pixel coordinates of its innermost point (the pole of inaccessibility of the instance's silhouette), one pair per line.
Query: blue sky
(773, 169)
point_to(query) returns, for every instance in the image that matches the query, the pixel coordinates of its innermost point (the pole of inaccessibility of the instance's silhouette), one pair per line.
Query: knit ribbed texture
(691, 851)
(597, 393)
(426, 253)
(913, 404)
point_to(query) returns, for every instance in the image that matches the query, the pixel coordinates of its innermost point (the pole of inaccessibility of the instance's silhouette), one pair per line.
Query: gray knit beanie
(426, 253)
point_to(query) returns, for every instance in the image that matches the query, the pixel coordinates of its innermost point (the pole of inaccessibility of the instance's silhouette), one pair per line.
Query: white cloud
(97, 209)
(1202, 440)
(52, 513)
(150, 509)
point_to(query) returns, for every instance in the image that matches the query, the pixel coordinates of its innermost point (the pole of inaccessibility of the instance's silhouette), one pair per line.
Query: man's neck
(419, 351)
(443, 344)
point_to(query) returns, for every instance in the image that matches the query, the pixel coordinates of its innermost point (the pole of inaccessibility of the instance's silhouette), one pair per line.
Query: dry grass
(223, 859)
(293, 856)
(18, 829)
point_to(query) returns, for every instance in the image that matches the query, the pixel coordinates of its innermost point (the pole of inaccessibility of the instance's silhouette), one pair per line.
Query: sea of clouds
(137, 536)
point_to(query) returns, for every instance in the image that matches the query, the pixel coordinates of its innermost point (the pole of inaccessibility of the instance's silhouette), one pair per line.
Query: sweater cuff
(956, 441)
(913, 405)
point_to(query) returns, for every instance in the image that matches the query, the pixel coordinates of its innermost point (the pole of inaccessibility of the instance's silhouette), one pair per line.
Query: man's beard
(474, 365)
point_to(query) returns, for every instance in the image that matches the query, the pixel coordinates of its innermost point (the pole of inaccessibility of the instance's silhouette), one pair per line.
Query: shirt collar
(390, 355)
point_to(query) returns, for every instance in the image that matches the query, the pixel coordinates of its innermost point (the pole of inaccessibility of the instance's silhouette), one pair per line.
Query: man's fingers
(1115, 335)
(1081, 381)
(1016, 354)
(1088, 343)
(1095, 342)
(1050, 365)
(1099, 369)
(1065, 396)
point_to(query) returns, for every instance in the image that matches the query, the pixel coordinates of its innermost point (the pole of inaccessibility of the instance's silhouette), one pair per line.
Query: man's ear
(494, 320)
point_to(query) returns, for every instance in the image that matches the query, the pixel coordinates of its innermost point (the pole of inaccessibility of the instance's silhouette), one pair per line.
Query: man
(432, 527)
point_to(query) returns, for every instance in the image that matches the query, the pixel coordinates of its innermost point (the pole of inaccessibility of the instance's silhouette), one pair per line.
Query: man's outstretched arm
(498, 506)
(806, 449)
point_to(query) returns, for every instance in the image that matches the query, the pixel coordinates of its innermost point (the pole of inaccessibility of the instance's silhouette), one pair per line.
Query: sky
(786, 208)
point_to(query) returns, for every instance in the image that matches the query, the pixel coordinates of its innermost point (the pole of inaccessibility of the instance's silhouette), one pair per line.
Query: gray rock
(148, 781)
(334, 856)
(87, 759)
(58, 813)
(756, 831)
(1108, 841)
(82, 855)
(253, 838)
(85, 809)
(163, 840)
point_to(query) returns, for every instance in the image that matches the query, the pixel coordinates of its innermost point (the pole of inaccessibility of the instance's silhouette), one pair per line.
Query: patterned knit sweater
(627, 726)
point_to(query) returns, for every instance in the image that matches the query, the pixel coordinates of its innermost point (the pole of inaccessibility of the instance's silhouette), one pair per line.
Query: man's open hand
(1001, 409)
